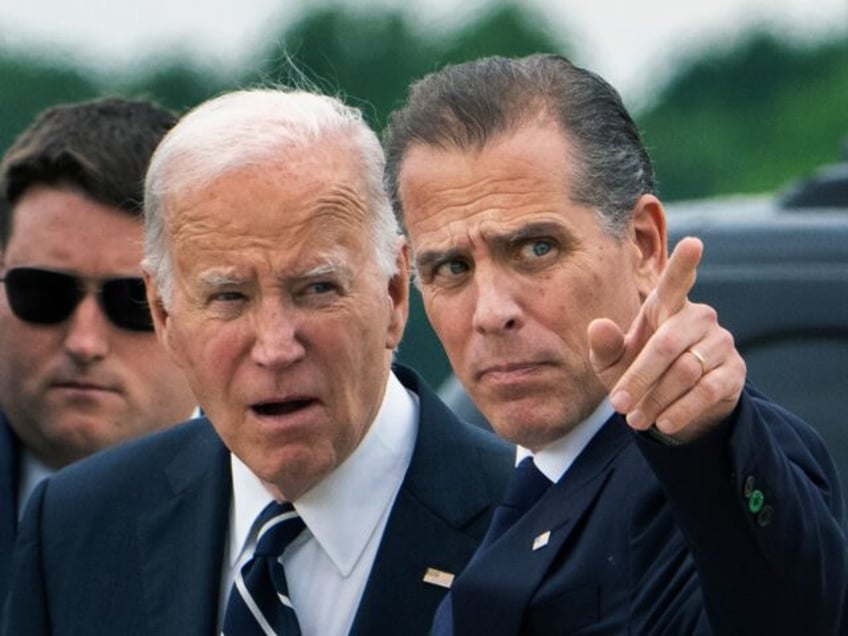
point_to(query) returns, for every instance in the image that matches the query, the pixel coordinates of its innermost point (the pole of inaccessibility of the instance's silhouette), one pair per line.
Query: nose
(87, 338)
(276, 339)
(497, 307)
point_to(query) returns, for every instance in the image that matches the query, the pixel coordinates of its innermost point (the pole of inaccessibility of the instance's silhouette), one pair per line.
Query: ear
(398, 296)
(161, 318)
(648, 233)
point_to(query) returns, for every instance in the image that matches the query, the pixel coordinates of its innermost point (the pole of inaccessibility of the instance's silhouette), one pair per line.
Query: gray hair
(466, 105)
(248, 127)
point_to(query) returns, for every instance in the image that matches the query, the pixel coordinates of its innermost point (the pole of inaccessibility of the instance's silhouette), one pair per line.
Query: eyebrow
(321, 270)
(426, 259)
(528, 231)
(498, 242)
(219, 278)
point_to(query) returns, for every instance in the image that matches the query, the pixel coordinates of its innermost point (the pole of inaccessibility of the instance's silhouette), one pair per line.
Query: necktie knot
(278, 525)
(526, 485)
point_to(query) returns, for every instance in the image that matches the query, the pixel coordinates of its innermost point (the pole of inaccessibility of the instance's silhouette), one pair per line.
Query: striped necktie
(259, 599)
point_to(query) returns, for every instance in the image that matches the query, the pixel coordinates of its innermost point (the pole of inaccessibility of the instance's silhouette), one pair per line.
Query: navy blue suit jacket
(650, 539)
(9, 483)
(131, 540)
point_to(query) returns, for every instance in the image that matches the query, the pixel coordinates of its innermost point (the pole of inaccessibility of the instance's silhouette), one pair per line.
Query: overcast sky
(624, 40)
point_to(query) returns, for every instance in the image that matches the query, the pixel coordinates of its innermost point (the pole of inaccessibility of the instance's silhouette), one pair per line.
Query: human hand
(676, 367)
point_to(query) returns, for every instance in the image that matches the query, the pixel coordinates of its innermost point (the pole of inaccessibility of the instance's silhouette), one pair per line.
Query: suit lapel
(512, 568)
(436, 522)
(182, 539)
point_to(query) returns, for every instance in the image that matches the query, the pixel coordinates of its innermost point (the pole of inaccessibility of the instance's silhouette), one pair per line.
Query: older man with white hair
(325, 491)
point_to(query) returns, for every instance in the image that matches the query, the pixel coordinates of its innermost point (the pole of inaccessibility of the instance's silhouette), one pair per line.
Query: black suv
(776, 270)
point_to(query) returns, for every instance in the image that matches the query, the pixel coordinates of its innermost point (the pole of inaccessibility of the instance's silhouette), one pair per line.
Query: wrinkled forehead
(194, 167)
(525, 173)
(292, 185)
(274, 211)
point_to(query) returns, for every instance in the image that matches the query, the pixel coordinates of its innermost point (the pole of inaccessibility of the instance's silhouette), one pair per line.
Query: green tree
(508, 29)
(173, 85)
(367, 58)
(370, 56)
(31, 84)
(750, 119)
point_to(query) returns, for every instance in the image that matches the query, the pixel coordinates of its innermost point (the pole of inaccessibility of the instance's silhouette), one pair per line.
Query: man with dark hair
(80, 366)
(660, 493)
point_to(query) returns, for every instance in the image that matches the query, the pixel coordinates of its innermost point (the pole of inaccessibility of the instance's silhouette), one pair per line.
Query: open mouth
(280, 408)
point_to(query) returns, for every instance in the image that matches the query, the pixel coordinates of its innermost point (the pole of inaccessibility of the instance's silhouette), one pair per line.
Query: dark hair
(102, 147)
(465, 105)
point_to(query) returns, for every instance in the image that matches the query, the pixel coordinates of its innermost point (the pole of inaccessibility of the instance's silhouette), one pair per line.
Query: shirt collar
(344, 509)
(33, 472)
(557, 457)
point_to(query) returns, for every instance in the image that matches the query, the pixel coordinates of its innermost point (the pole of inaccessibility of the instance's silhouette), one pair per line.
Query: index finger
(678, 278)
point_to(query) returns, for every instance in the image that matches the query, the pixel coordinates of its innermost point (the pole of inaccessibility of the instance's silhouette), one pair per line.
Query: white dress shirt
(33, 472)
(328, 565)
(557, 457)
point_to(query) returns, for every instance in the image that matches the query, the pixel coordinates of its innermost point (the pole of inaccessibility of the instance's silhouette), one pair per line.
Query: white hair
(248, 127)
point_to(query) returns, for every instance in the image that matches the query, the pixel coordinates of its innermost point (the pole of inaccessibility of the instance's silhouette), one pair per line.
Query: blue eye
(450, 269)
(228, 296)
(536, 248)
(540, 248)
(456, 267)
(445, 273)
(321, 287)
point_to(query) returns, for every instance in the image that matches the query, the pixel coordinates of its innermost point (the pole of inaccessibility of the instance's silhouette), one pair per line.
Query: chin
(531, 428)
(296, 469)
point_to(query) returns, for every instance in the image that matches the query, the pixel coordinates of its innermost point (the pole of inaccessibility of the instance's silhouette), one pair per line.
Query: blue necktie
(259, 599)
(525, 488)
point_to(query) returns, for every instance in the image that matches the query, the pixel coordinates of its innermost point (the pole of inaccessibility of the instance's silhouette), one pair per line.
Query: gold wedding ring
(705, 368)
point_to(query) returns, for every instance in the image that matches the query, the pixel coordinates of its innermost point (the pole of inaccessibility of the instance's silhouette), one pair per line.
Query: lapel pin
(437, 577)
(542, 540)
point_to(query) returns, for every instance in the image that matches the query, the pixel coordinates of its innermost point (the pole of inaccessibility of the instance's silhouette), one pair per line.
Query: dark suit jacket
(650, 539)
(9, 483)
(131, 540)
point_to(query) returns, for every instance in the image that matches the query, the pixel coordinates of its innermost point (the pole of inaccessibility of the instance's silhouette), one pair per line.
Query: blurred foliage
(751, 119)
(370, 58)
(174, 86)
(748, 119)
(28, 85)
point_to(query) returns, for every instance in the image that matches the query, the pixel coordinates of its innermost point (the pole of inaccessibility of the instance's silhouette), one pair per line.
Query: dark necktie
(259, 599)
(525, 488)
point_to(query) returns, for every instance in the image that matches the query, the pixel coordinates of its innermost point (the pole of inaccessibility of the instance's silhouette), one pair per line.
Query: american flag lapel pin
(434, 576)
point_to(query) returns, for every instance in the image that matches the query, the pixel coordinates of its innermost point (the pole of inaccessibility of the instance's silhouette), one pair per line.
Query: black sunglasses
(47, 297)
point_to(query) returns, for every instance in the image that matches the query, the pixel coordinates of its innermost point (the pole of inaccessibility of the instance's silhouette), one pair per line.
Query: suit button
(755, 503)
(765, 516)
(748, 487)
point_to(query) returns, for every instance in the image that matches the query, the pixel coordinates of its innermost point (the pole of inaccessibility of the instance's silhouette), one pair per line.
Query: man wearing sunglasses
(80, 366)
